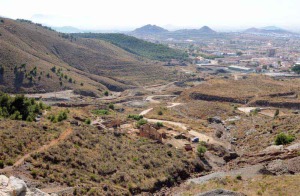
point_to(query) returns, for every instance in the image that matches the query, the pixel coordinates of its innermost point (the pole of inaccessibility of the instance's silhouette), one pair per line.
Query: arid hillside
(30, 51)
(252, 90)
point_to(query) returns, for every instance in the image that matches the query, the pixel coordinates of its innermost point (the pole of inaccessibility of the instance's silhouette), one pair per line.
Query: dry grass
(111, 164)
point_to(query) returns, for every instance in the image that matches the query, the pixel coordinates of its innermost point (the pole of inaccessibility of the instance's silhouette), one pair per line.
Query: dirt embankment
(277, 104)
(282, 94)
(206, 97)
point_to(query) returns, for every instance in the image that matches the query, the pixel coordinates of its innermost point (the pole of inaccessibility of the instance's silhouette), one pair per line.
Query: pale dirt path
(151, 100)
(59, 94)
(146, 111)
(158, 87)
(177, 124)
(174, 105)
(54, 142)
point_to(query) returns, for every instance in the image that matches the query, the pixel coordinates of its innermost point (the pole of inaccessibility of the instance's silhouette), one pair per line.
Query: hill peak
(206, 29)
(150, 29)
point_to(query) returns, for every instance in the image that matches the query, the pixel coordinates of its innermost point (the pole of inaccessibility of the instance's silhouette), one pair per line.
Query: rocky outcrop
(215, 119)
(13, 186)
(221, 192)
(280, 167)
(271, 153)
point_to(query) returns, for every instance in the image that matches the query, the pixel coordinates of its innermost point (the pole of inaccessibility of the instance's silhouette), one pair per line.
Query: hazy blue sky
(120, 14)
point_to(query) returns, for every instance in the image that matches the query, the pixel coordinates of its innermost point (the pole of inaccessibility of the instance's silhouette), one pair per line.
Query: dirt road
(151, 100)
(201, 136)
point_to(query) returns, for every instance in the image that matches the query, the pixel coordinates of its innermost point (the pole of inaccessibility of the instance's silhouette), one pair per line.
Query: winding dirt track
(54, 142)
(183, 126)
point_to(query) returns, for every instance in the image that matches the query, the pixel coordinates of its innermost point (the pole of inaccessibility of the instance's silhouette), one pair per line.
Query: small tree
(141, 122)
(111, 106)
(88, 121)
(160, 113)
(53, 69)
(106, 93)
(201, 150)
(159, 124)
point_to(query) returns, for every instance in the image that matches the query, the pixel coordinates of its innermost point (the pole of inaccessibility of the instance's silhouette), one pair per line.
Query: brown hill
(241, 91)
(29, 51)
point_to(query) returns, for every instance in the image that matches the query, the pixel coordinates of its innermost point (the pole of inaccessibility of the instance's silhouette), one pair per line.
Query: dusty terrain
(138, 127)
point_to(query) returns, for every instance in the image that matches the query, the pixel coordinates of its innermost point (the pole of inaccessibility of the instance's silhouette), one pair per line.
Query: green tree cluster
(20, 107)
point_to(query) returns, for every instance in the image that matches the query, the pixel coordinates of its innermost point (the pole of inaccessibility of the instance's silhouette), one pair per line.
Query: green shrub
(62, 116)
(160, 113)
(159, 124)
(282, 139)
(100, 112)
(111, 106)
(106, 93)
(88, 121)
(135, 116)
(9, 162)
(201, 150)
(239, 177)
(141, 122)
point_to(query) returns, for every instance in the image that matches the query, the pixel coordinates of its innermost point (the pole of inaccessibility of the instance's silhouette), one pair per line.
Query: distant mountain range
(154, 30)
(268, 30)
